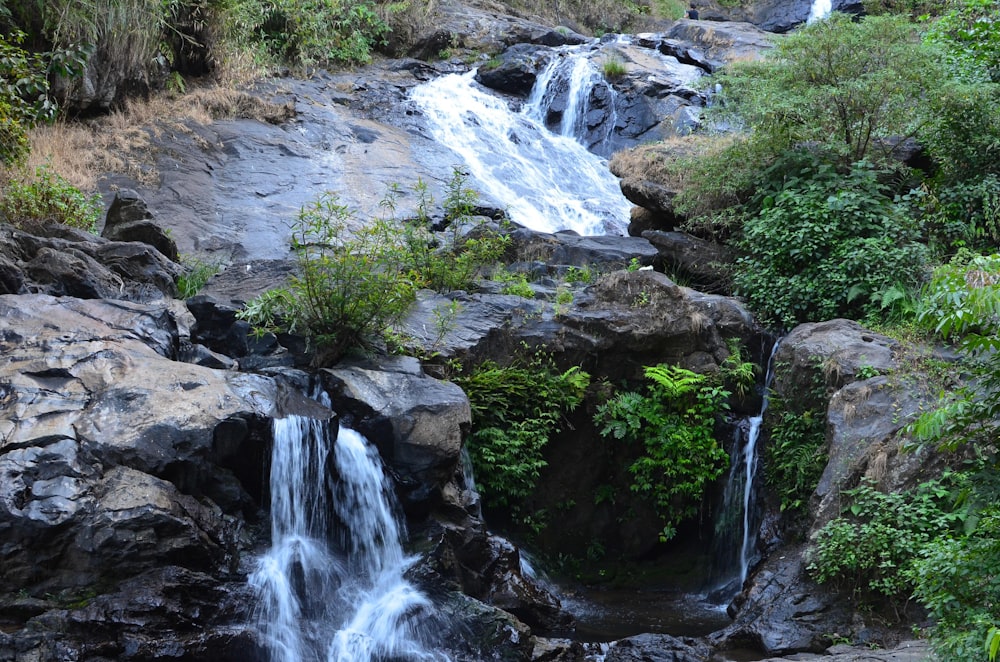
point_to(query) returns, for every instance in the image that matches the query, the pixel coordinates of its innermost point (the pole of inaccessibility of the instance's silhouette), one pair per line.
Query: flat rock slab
(907, 651)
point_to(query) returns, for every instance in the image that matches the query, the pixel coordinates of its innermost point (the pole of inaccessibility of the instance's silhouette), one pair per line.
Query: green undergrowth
(516, 409)
(672, 421)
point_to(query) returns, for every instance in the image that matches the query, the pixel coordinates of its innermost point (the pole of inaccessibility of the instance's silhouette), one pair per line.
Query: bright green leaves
(674, 423)
(515, 410)
(839, 83)
(873, 548)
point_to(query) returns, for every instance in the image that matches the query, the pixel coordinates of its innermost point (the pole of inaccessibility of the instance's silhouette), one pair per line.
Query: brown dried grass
(122, 141)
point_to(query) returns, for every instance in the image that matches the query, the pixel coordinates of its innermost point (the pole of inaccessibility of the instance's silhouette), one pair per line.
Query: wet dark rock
(657, 648)
(129, 219)
(476, 632)
(516, 71)
(706, 264)
(165, 613)
(783, 611)
(69, 262)
(417, 422)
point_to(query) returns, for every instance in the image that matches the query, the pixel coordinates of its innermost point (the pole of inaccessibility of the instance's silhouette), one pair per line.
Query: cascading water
(820, 9)
(332, 588)
(549, 182)
(736, 529)
(576, 78)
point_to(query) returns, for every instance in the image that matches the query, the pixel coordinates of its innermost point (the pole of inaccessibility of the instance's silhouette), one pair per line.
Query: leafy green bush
(454, 261)
(355, 283)
(309, 32)
(962, 303)
(826, 245)
(873, 547)
(840, 83)
(957, 579)
(48, 197)
(515, 410)
(674, 422)
(350, 288)
(969, 32)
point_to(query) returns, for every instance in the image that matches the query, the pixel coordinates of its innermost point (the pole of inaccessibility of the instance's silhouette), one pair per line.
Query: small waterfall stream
(548, 181)
(739, 497)
(332, 589)
(820, 9)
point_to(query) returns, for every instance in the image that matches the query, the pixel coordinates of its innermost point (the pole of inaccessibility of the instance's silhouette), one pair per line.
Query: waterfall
(820, 10)
(576, 78)
(739, 496)
(548, 181)
(331, 588)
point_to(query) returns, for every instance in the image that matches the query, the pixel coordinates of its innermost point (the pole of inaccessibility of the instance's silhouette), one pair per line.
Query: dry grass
(122, 141)
(667, 162)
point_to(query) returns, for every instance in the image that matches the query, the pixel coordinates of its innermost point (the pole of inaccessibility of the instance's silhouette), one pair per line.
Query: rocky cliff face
(135, 429)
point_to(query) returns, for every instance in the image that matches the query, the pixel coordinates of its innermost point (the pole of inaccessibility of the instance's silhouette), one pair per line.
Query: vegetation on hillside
(813, 189)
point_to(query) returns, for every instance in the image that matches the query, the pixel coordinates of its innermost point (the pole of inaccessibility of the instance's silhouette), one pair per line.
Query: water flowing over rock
(117, 460)
(320, 600)
(548, 182)
(417, 422)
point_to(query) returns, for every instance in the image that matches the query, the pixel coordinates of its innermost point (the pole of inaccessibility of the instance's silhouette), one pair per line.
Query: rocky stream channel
(174, 488)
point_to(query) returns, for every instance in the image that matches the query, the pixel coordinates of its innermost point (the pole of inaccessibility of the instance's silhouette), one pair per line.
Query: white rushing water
(332, 589)
(750, 462)
(736, 532)
(820, 9)
(548, 181)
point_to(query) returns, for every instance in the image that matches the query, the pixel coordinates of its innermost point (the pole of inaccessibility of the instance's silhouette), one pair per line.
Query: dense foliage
(875, 547)
(673, 423)
(825, 244)
(515, 411)
(846, 85)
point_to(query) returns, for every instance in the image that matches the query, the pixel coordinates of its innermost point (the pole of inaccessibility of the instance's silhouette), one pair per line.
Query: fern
(674, 422)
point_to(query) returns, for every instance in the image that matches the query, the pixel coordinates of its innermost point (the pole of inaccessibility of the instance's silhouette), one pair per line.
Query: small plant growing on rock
(674, 421)
(613, 68)
(349, 288)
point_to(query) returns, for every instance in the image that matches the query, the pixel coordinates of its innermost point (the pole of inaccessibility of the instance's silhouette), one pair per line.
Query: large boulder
(114, 455)
(69, 262)
(417, 422)
(828, 355)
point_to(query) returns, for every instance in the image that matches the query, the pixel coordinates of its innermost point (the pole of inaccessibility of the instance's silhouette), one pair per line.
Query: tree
(837, 83)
